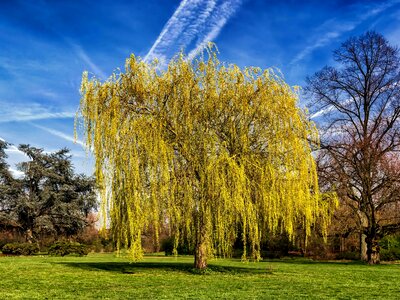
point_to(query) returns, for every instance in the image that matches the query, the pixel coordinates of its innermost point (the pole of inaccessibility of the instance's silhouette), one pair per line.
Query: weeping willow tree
(210, 150)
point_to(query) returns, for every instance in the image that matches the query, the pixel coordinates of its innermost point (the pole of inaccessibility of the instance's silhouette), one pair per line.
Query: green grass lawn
(104, 276)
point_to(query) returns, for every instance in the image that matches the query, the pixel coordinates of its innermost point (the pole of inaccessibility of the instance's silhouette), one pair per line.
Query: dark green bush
(390, 242)
(390, 247)
(66, 248)
(391, 254)
(20, 249)
(4, 242)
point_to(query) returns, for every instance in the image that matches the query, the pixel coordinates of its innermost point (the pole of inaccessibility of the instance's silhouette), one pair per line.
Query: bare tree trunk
(342, 244)
(373, 250)
(29, 236)
(363, 247)
(363, 236)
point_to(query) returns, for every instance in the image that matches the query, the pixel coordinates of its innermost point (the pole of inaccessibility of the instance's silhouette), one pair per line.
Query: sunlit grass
(105, 276)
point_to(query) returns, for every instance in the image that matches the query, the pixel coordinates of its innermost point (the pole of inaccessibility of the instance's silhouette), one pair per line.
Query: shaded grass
(104, 276)
(180, 267)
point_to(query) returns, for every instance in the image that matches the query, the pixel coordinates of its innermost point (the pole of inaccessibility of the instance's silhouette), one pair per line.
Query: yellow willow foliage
(207, 149)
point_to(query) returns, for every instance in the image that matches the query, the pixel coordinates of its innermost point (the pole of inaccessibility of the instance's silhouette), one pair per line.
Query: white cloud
(83, 160)
(322, 112)
(322, 41)
(22, 116)
(13, 149)
(47, 94)
(61, 135)
(171, 30)
(28, 112)
(193, 24)
(14, 157)
(329, 109)
(340, 27)
(81, 154)
(87, 60)
(217, 21)
(16, 173)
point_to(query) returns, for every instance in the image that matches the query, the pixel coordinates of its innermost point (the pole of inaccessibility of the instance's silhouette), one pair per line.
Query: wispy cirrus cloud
(322, 112)
(334, 28)
(14, 156)
(60, 134)
(217, 21)
(78, 50)
(191, 27)
(329, 109)
(30, 112)
(12, 148)
(22, 116)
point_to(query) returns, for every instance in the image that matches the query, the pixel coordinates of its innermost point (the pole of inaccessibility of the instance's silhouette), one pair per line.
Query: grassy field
(104, 276)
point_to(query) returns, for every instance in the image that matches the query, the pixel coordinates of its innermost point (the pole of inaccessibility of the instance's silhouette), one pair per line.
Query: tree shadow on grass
(139, 267)
(308, 261)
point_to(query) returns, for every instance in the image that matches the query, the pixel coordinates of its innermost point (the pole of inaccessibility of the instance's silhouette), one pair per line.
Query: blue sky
(46, 45)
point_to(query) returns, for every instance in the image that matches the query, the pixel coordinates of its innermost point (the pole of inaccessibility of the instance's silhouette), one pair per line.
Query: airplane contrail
(193, 24)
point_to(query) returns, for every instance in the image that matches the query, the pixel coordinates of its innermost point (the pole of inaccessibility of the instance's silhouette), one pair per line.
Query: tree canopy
(49, 199)
(209, 149)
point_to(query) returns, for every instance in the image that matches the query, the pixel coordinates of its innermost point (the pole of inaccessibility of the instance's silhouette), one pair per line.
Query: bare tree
(357, 105)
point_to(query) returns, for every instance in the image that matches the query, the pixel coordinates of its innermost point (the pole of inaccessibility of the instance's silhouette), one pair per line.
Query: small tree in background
(360, 144)
(210, 150)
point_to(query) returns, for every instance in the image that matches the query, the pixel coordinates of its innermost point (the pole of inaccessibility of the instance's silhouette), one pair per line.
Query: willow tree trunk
(200, 255)
(201, 249)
